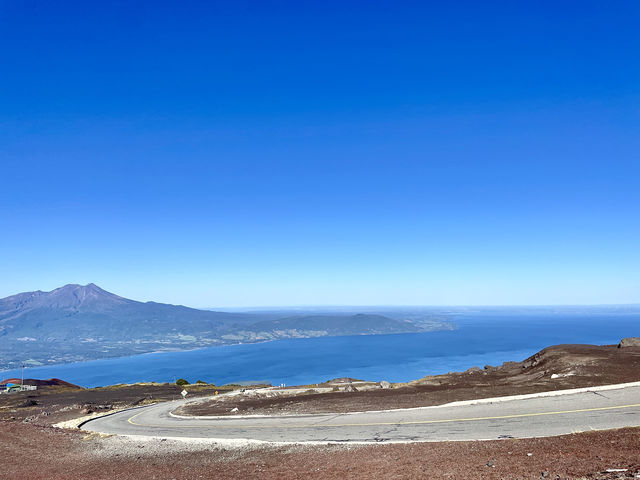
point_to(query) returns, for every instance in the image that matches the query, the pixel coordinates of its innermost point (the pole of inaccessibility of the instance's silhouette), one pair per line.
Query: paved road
(535, 417)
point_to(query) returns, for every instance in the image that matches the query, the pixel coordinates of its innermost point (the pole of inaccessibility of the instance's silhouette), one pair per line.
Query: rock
(343, 380)
(474, 369)
(385, 384)
(91, 408)
(629, 342)
(235, 409)
(491, 463)
(544, 474)
(350, 388)
(531, 361)
(511, 364)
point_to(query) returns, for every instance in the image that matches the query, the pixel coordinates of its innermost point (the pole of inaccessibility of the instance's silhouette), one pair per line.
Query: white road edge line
(250, 442)
(552, 393)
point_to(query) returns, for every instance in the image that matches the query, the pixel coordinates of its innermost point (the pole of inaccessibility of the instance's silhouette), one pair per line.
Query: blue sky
(328, 153)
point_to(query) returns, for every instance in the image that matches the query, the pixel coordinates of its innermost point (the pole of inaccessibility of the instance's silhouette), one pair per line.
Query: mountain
(83, 322)
(89, 314)
(70, 297)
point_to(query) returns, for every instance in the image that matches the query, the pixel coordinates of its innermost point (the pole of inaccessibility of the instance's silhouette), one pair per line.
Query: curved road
(532, 417)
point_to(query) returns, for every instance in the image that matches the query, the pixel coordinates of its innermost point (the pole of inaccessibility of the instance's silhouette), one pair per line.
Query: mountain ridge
(83, 322)
(70, 295)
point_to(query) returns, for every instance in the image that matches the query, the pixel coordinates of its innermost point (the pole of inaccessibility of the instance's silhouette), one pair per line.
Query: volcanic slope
(77, 322)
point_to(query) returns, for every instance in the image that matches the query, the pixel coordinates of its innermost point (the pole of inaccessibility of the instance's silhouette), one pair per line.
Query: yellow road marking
(415, 422)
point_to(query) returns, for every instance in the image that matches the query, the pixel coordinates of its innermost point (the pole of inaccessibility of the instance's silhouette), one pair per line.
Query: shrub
(182, 381)
(200, 381)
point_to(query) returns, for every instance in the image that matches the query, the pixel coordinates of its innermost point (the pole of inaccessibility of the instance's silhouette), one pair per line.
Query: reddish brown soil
(590, 365)
(52, 382)
(52, 404)
(28, 452)
(34, 451)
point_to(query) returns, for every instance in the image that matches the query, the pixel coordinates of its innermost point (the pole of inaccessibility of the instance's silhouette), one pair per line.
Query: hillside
(554, 368)
(27, 435)
(358, 324)
(76, 322)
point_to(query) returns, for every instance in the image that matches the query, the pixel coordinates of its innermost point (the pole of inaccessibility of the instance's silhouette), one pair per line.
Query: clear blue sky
(309, 153)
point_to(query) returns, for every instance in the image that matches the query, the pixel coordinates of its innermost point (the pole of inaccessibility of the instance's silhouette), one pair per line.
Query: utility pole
(22, 381)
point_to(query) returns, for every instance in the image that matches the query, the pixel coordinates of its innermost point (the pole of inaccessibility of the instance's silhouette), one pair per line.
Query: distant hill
(358, 324)
(81, 322)
(52, 382)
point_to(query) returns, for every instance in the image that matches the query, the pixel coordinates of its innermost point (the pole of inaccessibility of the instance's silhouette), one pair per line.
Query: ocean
(480, 339)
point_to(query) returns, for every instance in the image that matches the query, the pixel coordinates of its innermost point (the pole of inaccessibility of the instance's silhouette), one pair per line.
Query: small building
(11, 385)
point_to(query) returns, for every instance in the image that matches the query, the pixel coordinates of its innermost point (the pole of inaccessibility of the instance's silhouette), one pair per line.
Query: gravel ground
(554, 368)
(50, 405)
(31, 449)
(32, 452)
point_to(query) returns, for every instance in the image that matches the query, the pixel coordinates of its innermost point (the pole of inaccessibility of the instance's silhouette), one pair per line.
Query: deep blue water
(480, 339)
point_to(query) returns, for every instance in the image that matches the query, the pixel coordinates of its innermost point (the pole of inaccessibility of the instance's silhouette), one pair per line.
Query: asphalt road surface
(535, 417)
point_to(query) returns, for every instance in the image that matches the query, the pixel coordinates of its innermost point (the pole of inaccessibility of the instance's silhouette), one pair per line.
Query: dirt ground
(31, 449)
(30, 452)
(51, 404)
(554, 368)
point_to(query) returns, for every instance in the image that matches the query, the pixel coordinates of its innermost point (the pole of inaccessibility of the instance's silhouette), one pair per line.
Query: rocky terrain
(30, 448)
(56, 401)
(554, 368)
(28, 452)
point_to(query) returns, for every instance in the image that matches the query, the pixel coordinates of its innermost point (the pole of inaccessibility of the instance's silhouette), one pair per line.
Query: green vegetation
(200, 381)
(182, 381)
(36, 326)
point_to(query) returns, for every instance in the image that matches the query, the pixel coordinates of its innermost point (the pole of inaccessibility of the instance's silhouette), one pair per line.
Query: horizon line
(350, 306)
(503, 305)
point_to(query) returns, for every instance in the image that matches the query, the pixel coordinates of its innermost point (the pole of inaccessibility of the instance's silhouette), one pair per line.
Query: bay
(480, 339)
